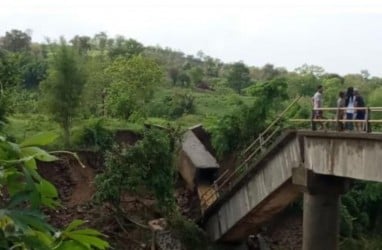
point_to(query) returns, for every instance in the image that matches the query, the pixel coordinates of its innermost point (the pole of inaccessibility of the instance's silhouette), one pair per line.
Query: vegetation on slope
(67, 87)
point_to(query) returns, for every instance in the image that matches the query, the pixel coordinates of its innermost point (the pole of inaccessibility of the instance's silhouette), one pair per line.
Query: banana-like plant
(24, 192)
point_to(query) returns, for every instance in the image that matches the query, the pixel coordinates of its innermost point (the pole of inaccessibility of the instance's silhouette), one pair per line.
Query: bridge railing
(256, 148)
(340, 122)
(267, 137)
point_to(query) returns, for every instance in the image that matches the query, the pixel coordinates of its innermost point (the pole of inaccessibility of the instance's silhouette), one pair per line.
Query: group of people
(350, 107)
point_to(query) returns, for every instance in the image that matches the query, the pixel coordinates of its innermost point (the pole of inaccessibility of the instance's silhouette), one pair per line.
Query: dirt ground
(76, 188)
(75, 185)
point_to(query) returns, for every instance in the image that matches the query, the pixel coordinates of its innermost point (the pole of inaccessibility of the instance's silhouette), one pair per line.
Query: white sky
(343, 36)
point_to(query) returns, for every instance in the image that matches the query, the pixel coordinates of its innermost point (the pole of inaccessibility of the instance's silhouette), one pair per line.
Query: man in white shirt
(317, 101)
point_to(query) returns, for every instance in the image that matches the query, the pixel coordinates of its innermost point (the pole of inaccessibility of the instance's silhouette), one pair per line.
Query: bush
(240, 126)
(3, 111)
(95, 136)
(191, 236)
(148, 164)
(23, 101)
(174, 106)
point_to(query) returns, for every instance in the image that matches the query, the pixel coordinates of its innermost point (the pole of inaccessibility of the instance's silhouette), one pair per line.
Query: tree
(332, 87)
(375, 100)
(212, 66)
(149, 163)
(238, 76)
(132, 85)
(305, 85)
(10, 70)
(125, 48)
(268, 72)
(4, 107)
(196, 74)
(33, 70)
(365, 74)
(174, 74)
(239, 126)
(97, 82)
(306, 69)
(184, 79)
(81, 43)
(16, 41)
(100, 41)
(63, 87)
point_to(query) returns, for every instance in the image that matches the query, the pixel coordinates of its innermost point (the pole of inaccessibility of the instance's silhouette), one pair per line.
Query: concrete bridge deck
(266, 187)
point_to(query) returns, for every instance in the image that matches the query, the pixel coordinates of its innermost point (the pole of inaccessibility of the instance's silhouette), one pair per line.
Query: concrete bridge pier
(321, 211)
(321, 221)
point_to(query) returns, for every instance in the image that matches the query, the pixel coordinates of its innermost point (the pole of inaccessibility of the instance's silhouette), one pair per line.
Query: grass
(22, 126)
(208, 104)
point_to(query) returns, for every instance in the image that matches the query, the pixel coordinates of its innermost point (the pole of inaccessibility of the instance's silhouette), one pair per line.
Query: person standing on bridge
(317, 102)
(359, 113)
(340, 111)
(349, 103)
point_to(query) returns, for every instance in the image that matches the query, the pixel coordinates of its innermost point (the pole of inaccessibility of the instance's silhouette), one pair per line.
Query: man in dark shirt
(360, 113)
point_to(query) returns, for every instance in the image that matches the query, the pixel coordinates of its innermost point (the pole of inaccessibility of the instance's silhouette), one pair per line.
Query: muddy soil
(75, 185)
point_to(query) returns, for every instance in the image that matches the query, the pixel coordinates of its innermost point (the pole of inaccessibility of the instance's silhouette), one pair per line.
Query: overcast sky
(343, 36)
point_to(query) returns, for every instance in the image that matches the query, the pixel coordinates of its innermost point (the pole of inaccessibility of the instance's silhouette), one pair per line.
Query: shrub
(95, 136)
(174, 106)
(148, 164)
(191, 236)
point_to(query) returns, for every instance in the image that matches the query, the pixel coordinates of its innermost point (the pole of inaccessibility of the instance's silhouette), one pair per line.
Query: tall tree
(132, 85)
(174, 75)
(81, 43)
(196, 74)
(16, 41)
(306, 69)
(125, 48)
(63, 87)
(100, 41)
(238, 76)
(269, 72)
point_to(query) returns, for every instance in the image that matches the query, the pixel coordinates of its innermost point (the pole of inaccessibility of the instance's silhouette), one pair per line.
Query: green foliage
(375, 100)
(22, 101)
(10, 70)
(16, 41)
(184, 79)
(120, 47)
(173, 106)
(4, 108)
(191, 236)
(95, 136)
(302, 85)
(132, 85)
(361, 209)
(173, 73)
(22, 224)
(74, 237)
(238, 77)
(95, 89)
(196, 74)
(148, 164)
(364, 243)
(239, 127)
(63, 87)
